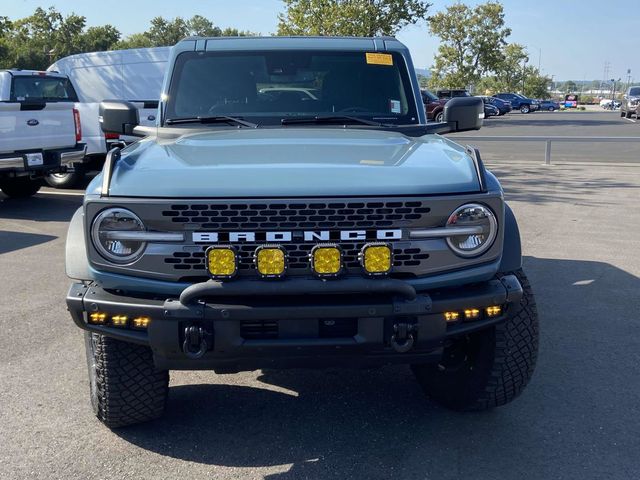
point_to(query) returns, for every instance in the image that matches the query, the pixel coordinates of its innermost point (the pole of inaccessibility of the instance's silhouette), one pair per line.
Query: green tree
(472, 42)
(570, 87)
(163, 32)
(360, 18)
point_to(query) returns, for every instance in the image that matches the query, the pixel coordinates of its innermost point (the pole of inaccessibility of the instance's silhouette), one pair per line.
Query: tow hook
(403, 337)
(195, 343)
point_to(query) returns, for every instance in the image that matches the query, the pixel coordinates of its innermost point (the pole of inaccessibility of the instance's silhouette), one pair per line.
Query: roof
(16, 72)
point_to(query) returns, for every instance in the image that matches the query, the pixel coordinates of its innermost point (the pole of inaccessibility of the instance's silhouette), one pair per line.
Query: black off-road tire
(125, 386)
(19, 187)
(489, 368)
(627, 114)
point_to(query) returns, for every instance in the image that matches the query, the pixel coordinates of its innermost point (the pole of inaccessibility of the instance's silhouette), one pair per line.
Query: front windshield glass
(634, 91)
(265, 87)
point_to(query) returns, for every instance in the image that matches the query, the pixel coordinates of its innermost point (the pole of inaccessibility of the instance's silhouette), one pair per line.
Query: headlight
(480, 228)
(115, 233)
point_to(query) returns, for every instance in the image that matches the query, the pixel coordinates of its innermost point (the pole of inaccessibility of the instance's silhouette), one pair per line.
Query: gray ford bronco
(293, 208)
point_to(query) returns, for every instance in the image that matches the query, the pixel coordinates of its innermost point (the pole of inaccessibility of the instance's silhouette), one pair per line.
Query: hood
(292, 162)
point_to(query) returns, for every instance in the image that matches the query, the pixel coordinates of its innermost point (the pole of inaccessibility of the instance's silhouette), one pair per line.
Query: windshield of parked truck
(634, 92)
(36, 88)
(265, 87)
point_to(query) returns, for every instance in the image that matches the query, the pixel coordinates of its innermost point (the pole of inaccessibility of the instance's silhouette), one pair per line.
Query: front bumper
(57, 160)
(294, 323)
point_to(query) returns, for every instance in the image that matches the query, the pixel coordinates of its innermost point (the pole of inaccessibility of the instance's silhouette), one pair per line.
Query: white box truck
(134, 75)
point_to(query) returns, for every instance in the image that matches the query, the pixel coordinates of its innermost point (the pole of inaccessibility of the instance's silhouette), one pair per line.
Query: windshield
(39, 88)
(634, 92)
(429, 96)
(265, 87)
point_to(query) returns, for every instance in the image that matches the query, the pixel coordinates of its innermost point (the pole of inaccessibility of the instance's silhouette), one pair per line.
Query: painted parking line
(630, 119)
(57, 192)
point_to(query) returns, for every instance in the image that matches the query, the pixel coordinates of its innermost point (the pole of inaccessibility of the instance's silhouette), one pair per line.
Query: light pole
(524, 73)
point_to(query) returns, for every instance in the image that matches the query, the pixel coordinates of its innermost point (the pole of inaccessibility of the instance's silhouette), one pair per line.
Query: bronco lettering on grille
(306, 236)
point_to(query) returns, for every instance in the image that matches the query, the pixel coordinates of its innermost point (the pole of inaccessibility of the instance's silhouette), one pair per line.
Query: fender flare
(512, 247)
(76, 261)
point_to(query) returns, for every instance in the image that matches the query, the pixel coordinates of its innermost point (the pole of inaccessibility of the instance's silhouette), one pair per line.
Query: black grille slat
(298, 215)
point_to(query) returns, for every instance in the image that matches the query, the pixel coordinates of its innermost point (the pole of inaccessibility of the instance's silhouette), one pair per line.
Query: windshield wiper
(212, 119)
(332, 119)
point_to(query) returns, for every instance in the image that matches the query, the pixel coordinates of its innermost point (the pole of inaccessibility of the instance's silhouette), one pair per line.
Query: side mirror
(464, 113)
(116, 116)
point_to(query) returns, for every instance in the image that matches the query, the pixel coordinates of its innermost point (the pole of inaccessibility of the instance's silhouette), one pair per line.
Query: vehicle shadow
(40, 208)
(378, 424)
(11, 241)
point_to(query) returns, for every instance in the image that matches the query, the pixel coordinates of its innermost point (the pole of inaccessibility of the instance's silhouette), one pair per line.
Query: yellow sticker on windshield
(379, 59)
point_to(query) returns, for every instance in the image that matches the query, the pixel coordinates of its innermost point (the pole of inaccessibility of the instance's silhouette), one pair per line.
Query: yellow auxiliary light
(472, 314)
(222, 261)
(493, 311)
(326, 260)
(376, 259)
(271, 261)
(97, 318)
(141, 322)
(451, 316)
(119, 320)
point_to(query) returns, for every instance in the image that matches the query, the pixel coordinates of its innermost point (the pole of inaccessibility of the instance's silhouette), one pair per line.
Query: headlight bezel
(487, 244)
(104, 252)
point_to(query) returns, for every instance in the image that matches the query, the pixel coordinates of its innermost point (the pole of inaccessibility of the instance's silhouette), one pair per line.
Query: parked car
(490, 110)
(503, 106)
(313, 235)
(40, 130)
(630, 104)
(433, 106)
(549, 105)
(452, 93)
(519, 102)
(135, 75)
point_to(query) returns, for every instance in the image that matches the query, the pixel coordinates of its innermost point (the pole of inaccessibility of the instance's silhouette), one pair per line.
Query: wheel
(19, 187)
(124, 384)
(524, 109)
(439, 117)
(627, 114)
(65, 180)
(489, 368)
(551, 109)
(621, 113)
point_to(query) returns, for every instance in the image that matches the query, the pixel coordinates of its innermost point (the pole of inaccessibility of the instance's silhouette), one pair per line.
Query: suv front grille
(306, 215)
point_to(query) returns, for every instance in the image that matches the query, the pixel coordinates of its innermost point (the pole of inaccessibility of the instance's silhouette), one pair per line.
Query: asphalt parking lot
(594, 123)
(578, 419)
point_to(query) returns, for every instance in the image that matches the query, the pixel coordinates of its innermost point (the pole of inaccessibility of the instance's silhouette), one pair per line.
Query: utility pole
(524, 73)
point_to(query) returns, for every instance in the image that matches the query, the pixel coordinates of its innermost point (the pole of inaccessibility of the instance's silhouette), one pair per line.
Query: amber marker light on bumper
(97, 318)
(376, 259)
(451, 316)
(326, 260)
(222, 262)
(119, 320)
(271, 261)
(140, 322)
(471, 314)
(493, 311)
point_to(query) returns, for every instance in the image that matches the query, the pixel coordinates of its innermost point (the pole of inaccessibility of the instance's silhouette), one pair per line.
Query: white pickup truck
(40, 129)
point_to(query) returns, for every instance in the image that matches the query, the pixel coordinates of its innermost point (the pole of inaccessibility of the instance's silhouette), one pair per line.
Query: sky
(570, 39)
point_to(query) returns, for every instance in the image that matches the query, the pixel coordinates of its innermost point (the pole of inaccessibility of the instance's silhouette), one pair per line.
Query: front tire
(124, 384)
(19, 187)
(525, 109)
(551, 109)
(439, 117)
(489, 368)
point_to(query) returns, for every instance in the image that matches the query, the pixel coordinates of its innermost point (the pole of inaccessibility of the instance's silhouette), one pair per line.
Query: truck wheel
(439, 117)
(125, 386)
(524, 109)
(627, 114)
(488, 368)
(65, 180)
(19, 187)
